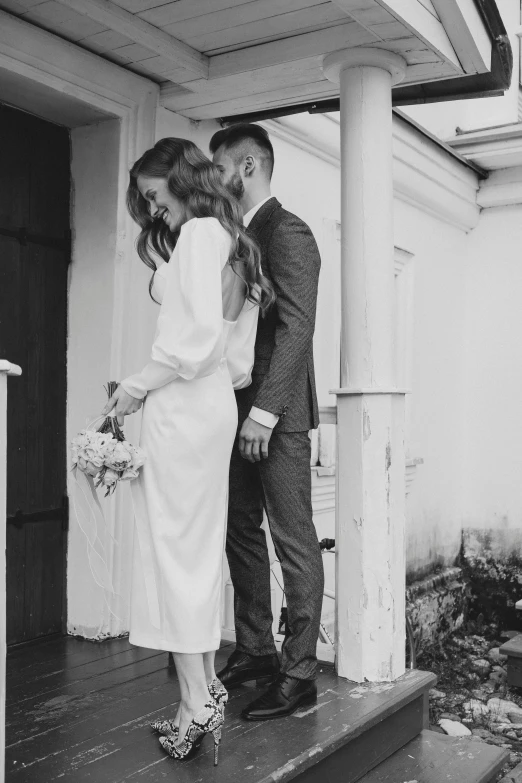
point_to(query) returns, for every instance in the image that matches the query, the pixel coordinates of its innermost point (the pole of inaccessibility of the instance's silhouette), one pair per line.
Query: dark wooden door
(34, 258)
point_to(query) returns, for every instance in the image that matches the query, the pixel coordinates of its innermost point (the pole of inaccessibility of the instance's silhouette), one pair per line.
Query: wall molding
(491, 148)
(503, 188)
(424, 175)
(302, 140)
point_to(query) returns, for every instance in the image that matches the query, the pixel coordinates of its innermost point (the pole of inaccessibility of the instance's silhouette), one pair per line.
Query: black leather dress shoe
(282, 698)
(242, 667)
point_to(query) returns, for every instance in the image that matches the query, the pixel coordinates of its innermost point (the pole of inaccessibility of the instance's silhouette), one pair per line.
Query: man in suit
(270, 466)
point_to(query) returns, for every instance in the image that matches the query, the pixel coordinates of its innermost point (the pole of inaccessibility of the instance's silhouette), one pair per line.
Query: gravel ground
(472, 697)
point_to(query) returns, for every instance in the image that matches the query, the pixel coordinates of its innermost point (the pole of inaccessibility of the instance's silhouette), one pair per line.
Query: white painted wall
(492, 485)
(94, 164)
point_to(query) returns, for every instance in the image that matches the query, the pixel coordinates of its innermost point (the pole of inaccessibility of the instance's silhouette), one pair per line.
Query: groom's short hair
(243, 138)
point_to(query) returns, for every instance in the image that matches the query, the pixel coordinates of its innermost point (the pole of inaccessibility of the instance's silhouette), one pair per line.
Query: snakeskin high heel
(218, 692)
(208, 720)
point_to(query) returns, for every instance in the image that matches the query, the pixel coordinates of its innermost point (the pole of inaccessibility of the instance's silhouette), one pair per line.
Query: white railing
(6, 368)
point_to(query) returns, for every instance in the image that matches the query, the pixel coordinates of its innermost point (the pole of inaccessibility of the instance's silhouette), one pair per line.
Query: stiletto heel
(217, 739)
(208, 720)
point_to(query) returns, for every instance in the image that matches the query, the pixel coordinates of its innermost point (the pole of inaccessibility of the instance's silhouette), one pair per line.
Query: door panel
(34, 257)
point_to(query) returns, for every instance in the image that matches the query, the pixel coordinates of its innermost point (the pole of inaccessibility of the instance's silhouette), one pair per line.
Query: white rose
(110, 477)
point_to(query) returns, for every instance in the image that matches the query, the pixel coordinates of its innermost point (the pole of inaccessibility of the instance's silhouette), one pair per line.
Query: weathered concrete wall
(437, 606)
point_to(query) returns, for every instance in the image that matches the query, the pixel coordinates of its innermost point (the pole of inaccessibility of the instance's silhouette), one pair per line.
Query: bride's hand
(123, 403)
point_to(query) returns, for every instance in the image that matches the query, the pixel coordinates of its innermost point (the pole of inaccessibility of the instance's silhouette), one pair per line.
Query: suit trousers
(282, 485)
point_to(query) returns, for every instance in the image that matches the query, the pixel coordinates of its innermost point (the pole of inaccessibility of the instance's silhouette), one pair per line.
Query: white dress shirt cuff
(265, 418)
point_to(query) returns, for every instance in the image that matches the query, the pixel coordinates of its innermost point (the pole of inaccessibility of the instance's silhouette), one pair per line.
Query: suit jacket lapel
(262, 216)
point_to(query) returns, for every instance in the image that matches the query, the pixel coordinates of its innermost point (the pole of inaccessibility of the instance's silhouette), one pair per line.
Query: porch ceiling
(216, 58)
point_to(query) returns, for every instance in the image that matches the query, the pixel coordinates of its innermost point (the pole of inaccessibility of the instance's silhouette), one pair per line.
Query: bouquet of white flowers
(104, 453)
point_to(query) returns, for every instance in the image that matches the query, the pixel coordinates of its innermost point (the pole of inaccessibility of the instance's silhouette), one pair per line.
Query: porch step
(350, 730)
(433, 757)
(513, 650)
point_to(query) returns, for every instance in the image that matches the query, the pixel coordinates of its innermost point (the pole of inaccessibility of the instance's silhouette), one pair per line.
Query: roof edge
(483, 85)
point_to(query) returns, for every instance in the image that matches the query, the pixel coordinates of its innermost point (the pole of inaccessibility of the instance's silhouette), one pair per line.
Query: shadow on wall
(482, 587)
(491, 560)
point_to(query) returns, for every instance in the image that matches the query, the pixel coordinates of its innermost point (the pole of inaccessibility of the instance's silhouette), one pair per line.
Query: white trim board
(425, 176)
(53, 64)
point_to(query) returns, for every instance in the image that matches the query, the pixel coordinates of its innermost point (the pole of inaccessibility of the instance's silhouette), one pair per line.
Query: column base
(370, 536)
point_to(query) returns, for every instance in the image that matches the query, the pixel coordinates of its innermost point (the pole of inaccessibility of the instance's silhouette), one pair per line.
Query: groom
(270, 466)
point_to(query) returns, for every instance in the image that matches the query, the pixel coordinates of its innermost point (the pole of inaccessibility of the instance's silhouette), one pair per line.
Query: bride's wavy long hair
(194, 179)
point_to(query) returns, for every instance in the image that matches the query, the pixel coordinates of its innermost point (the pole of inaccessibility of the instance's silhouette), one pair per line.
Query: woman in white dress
(210, 289)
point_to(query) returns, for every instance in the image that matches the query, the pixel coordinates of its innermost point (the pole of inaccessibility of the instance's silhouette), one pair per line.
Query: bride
(211, 289)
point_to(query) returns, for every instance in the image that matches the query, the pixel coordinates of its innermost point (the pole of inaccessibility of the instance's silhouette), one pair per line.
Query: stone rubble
(473, 699)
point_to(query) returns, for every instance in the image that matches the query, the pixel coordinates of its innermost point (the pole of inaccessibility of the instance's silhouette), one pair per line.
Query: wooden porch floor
(79, 711)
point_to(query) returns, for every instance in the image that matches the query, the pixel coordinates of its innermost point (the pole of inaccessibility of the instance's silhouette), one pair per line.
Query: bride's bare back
(233, 290)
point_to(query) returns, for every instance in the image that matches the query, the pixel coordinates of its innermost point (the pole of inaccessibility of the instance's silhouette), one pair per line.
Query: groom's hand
(253, 440)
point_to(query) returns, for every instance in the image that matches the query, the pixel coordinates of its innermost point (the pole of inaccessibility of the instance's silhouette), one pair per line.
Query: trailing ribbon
(97, 560)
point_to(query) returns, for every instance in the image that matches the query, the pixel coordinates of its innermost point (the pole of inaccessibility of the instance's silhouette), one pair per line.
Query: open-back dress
(188, 427)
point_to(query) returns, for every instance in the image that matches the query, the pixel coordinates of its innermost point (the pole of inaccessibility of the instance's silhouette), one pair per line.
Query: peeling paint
(282, 772)
(94, 754)
(310, 711)
(370, 687)
(388, 456)
(367, 430)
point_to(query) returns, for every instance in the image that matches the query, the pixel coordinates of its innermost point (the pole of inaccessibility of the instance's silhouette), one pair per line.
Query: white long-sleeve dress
(188, 428)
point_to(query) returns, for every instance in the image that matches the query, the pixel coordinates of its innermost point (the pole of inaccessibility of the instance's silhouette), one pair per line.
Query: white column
(6, 368)
(370, 535)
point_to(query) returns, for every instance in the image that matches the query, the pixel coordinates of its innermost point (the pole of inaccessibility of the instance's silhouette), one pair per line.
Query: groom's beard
(235, 186)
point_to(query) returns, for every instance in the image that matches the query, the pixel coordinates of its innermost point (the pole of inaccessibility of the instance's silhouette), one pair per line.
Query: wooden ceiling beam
(158, 41)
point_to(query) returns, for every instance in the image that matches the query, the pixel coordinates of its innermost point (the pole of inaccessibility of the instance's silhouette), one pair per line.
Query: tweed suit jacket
(283, 379)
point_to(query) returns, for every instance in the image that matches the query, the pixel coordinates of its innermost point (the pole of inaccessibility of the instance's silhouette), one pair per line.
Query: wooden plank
(261, 31)
(422, 25)
(428, 5)
(290, 49)
(13, 7)
(106, 41)
(134, 6)
(35, 665)
(467, 34)
(83, 726)
(116, 744)
(44, 599)
(15, 581)
(238, 15)
(132, 52)
(75, 702)
(38, 686)
(63, 21)
(433, 757)
(369, 748)
(326, 742)
(272, 78)
(110, 15)
(180, 10)
(317, 90)
(513, 647)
